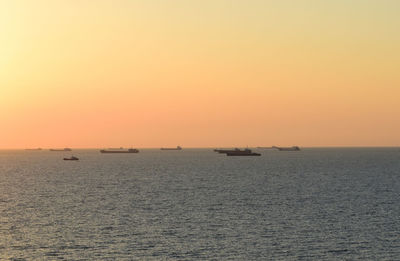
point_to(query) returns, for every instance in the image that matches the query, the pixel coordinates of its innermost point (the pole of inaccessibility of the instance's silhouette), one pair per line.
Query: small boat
(293, 148)
(245, 152)
(177, 148)
(120, 151)
(65, 149)
(72, 158)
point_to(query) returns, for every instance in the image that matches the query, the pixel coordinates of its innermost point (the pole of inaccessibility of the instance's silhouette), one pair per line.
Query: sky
(210, 73)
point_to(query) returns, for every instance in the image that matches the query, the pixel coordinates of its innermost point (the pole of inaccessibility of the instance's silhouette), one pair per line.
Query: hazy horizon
(206, 147)
(199, 73)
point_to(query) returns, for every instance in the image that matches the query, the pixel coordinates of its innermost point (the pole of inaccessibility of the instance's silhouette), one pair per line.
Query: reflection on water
(196, 204)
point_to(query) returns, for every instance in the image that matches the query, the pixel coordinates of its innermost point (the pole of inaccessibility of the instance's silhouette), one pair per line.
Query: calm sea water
(316, 204)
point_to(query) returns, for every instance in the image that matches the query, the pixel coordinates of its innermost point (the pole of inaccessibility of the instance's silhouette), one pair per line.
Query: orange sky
(152, 73)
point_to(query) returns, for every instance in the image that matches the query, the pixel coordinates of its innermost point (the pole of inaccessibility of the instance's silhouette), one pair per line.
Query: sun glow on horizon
(199, 73)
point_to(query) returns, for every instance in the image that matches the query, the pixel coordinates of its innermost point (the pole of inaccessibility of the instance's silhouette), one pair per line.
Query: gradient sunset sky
(152, 73)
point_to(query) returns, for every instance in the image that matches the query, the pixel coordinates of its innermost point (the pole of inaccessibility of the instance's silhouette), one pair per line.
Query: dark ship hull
(177, 148)
(66, 149)
(120, 151)
(294, 148)
(243, 154)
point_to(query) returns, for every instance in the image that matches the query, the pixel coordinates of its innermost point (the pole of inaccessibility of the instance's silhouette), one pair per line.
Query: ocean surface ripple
(316, 204)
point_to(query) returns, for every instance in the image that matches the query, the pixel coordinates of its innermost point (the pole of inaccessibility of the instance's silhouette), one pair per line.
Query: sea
(195, 204)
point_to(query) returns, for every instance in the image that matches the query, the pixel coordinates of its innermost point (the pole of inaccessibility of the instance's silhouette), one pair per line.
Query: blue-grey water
(316, 204)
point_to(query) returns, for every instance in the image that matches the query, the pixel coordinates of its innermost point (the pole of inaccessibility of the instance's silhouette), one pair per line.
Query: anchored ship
(293, 148)
(120, 151)
(65, 149)
(177, 148)
(245, 152)
(34, 149)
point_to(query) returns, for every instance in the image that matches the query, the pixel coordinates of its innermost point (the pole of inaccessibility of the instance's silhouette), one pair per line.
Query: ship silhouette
(293, 148)
(65, 149)
(177, 148)
(120, 151)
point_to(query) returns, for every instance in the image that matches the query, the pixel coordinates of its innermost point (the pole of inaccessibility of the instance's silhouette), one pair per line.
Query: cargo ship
(293, 148)
(177, 148)
(245, 152)
(65, 149)
(120, 151)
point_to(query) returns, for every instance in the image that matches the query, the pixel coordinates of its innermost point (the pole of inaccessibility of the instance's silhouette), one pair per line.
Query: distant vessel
(265, 147)
(245, 152)
(177, 148)
(293, 148)
(34, 149)
(72, 158)
(120, 151)
(65, 149)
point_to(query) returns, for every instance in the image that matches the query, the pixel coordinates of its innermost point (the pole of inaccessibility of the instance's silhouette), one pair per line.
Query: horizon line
(209, 147)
